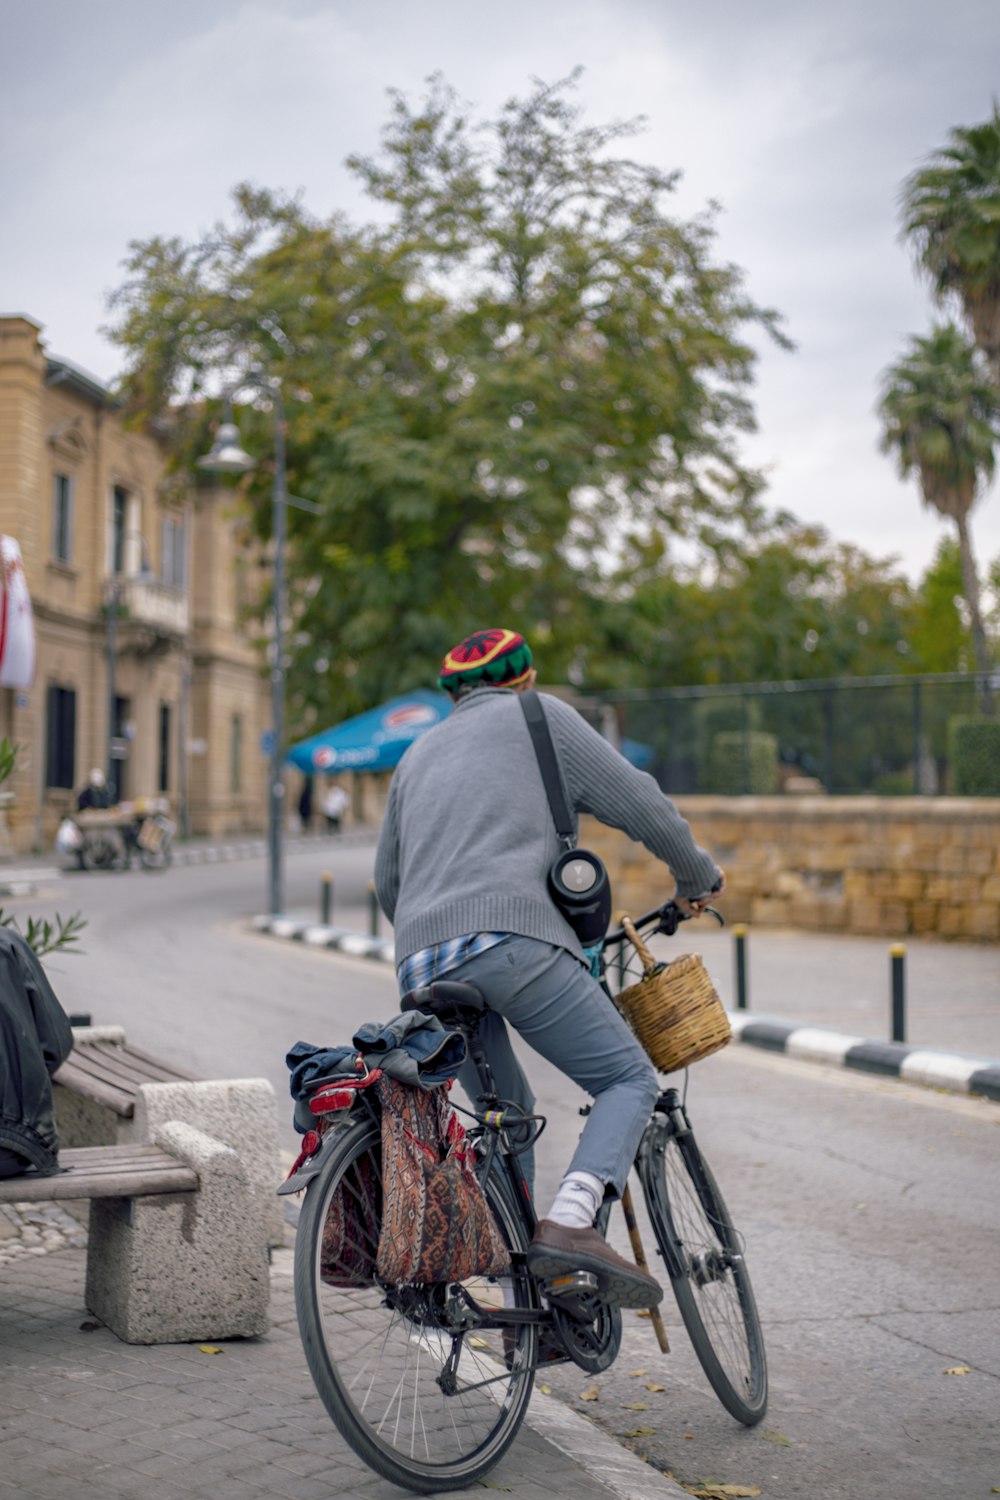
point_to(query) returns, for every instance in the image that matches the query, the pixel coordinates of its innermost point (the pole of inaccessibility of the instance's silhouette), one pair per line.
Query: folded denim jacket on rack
(415, 1048)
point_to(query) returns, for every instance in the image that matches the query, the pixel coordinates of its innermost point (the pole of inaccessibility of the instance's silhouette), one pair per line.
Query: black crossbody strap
(548, 764)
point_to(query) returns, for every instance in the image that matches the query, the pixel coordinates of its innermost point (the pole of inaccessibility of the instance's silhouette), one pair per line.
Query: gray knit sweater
(468, 836)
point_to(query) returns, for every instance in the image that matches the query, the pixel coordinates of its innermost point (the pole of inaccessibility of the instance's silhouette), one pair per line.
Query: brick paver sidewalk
(87, 1417)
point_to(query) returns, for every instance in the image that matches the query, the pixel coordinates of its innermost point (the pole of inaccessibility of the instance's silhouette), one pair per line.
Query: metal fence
(888, 735)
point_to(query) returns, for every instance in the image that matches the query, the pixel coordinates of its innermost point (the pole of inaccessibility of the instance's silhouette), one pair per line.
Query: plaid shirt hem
(432, 963)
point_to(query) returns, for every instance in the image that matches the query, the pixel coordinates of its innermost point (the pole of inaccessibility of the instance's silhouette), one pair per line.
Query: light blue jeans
(559, 1008)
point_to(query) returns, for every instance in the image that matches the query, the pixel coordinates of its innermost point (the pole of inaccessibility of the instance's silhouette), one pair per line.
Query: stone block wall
(873, 865)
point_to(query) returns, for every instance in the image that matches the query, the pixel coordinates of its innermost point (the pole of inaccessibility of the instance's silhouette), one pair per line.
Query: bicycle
(429, 1384)
(107, 839)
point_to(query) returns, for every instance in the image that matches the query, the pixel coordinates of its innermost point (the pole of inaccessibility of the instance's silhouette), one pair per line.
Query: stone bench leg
(240, 1112)
(174, 1267)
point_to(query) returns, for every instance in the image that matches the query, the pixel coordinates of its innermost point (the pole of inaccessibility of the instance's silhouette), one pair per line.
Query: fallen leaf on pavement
(590, 1393)
(638, 1372)
(546, 1390)
(777, 1437)
(479, 1343)
(644, 1312)
(636, 1406)
(651, 1385)
(640, 1432)
(688, 1434)
(958, 1370)
(210, 1349)
(724, 1491)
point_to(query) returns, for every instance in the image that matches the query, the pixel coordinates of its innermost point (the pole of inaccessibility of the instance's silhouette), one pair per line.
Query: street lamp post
(227, 457)
(114, 601)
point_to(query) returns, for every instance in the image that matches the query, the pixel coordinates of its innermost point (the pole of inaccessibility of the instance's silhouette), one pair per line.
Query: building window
(164, 776)
(62, 518)
(121, 742)
(236, 754)
(60, 748)
(119, 515)
(172, 559)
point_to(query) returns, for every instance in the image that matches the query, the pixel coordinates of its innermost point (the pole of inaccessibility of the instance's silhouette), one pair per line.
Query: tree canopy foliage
(940, 404)
(951, 217)
(516, 394)
(940, 417)
(524, 372)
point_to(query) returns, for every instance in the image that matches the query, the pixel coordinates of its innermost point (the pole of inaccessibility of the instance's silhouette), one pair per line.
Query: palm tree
(941, 417)
(951, 216)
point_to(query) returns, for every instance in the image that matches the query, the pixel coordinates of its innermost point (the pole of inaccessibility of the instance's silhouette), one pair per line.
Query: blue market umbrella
(374, 741)
(640, 755)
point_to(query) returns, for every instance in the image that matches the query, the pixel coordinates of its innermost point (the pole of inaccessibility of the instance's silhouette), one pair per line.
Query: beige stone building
(144, 668)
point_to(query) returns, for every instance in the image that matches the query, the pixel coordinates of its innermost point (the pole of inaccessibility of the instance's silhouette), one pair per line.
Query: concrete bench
(175, 1250)
(108, 1092)
(96, 1088)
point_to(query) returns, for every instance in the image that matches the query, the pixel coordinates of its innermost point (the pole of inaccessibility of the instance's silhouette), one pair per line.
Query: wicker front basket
(674, 1009)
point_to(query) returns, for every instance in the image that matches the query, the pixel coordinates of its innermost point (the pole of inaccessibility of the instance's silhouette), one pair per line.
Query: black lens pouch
(578, 881)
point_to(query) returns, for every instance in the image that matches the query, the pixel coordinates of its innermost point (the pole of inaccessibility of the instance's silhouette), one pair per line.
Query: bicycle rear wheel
(423, 1403)
(704, 1258)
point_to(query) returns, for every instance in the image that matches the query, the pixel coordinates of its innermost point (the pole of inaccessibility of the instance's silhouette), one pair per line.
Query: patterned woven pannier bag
(436, 1225)
(350, 1234)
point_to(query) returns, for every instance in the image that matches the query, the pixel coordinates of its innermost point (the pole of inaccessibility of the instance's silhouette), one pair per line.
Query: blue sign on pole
(267, 742)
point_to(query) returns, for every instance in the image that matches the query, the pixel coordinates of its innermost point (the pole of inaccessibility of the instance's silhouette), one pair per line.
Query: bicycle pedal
(574, 1284)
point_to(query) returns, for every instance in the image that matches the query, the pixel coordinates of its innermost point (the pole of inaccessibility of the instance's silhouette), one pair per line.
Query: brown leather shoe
(556, 1250)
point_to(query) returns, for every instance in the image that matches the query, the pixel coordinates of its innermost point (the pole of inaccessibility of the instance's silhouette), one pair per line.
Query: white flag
(17, 627)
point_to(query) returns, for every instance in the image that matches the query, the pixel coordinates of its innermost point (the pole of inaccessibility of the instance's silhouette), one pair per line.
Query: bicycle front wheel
(423, 1402)
(704, 1258)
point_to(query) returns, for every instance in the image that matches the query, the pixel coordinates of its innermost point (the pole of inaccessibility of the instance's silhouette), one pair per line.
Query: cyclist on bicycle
(461, 870)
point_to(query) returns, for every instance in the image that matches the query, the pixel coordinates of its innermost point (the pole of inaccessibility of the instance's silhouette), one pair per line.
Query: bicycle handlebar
(667, 917)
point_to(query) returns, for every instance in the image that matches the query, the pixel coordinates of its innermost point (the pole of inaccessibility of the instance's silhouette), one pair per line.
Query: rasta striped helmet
(487, 658)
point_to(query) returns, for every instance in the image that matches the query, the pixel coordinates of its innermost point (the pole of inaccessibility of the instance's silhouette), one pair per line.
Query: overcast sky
(801, 117)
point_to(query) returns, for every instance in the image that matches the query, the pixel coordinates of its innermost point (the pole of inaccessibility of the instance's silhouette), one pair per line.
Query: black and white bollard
(897, 968)
(740, 954)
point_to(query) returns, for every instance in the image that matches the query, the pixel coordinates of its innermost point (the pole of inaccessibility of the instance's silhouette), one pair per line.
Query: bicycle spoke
(418, 1400)
(719, 1302)
(708, 1272)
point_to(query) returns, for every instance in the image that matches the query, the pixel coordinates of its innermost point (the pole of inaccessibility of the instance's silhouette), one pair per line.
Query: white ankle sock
(579, 1197)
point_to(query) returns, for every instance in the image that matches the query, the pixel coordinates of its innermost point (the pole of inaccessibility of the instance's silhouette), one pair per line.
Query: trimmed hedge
(726, 767)
(974, 752)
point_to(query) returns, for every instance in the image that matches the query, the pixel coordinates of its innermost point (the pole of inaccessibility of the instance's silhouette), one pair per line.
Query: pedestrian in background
(335, 801)
(96, 793)
(306, 804)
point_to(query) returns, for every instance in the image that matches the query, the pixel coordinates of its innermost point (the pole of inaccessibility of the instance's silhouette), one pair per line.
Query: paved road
(871, 1209)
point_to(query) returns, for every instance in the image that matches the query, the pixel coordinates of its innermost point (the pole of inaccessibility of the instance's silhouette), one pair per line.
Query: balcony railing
(148, 602)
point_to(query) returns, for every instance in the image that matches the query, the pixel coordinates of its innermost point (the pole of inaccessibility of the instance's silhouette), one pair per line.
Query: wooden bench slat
(111, 1072)
(116, 1060)
(104, 1172)
(117, 1099)
(104, 1060)
(160, 1071)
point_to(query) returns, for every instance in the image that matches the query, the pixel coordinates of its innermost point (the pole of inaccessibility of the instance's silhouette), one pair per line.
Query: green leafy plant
(975, 756)
(744, 764)
(41, 935)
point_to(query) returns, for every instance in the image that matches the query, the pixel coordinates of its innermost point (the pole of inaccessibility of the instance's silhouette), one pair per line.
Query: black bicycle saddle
(443, 997)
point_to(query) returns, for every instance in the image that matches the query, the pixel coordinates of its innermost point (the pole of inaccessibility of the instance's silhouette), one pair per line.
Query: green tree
(940, 417)
(951, 216)
(527, 365)
(940, 637)
(794, 604)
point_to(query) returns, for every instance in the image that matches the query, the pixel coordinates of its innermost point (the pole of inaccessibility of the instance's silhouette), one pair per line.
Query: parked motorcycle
(107, 838)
